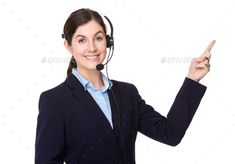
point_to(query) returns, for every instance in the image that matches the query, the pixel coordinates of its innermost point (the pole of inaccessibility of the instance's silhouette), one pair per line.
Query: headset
(110, 44)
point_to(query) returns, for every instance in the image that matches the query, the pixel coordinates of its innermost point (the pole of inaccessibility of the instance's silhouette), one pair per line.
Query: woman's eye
(81, 41)
(99, 38)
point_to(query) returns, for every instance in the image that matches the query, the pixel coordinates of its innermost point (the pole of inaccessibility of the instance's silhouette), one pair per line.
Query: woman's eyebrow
(79, 35)
(99, 32)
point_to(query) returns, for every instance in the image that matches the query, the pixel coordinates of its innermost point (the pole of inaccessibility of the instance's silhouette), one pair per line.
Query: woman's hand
(200, 66)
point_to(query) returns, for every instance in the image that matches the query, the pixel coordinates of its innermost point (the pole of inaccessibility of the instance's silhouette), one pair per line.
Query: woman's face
(88, 46)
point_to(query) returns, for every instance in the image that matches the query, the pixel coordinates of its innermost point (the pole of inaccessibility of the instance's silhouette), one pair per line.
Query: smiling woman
(88, 46)
(90, 119)
(84, 33)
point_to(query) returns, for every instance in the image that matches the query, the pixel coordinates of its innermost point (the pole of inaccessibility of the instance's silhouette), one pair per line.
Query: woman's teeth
(92, 57)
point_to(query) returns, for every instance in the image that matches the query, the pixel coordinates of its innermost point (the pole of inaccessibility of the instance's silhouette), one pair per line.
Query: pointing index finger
(209, 47)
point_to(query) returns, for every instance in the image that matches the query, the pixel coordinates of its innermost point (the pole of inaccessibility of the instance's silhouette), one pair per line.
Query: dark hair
(76, 19)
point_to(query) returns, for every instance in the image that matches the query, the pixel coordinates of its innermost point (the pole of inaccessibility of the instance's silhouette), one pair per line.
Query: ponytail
(72, 64)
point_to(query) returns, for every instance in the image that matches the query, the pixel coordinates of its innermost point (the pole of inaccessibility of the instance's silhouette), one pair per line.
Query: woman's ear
(68, 47)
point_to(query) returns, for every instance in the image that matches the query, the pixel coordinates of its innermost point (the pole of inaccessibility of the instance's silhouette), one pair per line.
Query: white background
(154, 43)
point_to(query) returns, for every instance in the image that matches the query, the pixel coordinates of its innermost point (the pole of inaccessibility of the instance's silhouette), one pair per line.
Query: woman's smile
(92, 58)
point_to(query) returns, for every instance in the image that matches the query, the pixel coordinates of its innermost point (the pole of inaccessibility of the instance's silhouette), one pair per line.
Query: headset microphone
(110, 45)
(99, 67)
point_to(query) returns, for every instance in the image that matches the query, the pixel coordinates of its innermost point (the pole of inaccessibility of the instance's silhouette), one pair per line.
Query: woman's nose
(92, 47)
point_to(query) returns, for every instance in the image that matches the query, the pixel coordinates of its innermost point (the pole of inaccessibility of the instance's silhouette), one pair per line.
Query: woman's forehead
(90, 28)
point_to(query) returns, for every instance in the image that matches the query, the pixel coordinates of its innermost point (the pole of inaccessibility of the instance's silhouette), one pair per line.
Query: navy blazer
(71, 127)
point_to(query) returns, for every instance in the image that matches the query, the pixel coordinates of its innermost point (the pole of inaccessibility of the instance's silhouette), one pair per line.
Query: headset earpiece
(110, 41)
(109, 38)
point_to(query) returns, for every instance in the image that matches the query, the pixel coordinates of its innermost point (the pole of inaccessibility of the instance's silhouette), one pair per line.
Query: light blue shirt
(99, 95)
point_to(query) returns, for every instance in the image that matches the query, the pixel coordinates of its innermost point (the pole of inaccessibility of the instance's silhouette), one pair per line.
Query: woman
(89, 119)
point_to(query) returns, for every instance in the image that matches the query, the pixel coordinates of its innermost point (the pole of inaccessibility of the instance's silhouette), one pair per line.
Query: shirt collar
(86, 84)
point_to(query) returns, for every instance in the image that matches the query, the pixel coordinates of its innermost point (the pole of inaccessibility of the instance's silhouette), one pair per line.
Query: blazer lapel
(88, 102)
(114, 99)
(118, 120)
(92, 107)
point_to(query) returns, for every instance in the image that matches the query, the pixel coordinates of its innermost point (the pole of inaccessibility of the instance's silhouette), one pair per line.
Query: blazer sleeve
(49, 145)
(171, 129)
